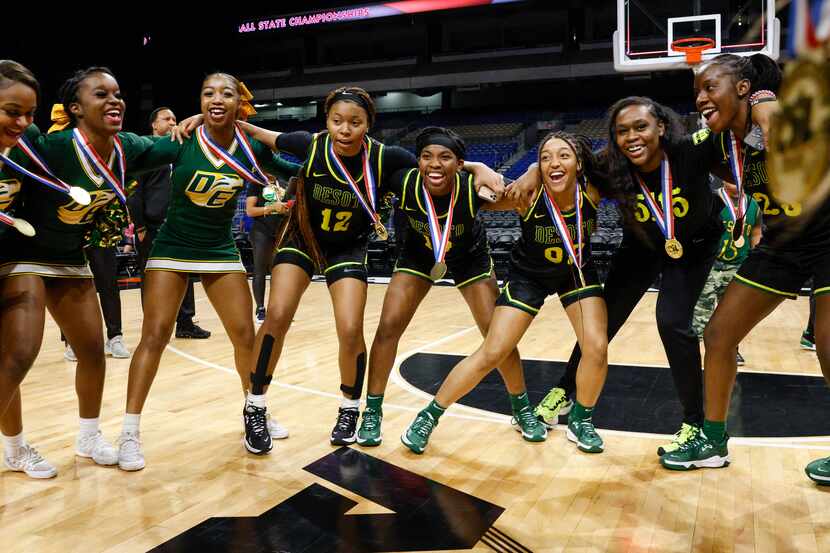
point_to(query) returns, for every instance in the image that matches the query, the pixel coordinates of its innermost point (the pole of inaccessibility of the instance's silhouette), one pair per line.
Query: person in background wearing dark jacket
(265, 207)
(148, 207)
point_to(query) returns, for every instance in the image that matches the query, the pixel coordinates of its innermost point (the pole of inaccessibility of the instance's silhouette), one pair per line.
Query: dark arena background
(502, 74)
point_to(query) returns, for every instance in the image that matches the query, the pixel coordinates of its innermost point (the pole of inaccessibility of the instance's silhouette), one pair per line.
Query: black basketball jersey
(467, 232)
(540, 250)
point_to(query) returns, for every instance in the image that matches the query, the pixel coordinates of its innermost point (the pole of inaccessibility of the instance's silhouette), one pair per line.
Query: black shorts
(528, 293)
(340, 261)
(474, 266)
(783, 271)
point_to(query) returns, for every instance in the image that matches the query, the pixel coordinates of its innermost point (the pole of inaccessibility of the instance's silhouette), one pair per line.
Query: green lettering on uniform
(700, 136)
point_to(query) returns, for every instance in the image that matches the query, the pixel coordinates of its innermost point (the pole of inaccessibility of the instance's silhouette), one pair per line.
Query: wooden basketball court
(554, 498)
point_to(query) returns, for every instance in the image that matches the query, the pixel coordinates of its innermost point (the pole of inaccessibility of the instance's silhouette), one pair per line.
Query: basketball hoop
(693, 48)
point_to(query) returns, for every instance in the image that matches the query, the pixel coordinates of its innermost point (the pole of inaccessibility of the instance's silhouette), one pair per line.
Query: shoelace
(371, 418)
(424, 429)
(130, 443)
(526, 418)
(30, 456)
(587, 429)
(255, 416)
(346, 419)
(685, 433)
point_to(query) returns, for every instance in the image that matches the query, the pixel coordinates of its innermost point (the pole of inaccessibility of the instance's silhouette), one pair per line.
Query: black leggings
(104, 265)
(262, 243)
(633, 270)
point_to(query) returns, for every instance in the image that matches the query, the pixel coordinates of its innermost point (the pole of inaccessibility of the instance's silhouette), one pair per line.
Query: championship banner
(360, 13)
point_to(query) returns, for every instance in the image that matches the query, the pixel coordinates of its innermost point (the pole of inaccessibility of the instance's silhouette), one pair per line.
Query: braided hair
(760, 70)
(68, 92)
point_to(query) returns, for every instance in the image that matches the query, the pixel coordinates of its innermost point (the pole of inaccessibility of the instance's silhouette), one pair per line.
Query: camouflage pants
(719, 278)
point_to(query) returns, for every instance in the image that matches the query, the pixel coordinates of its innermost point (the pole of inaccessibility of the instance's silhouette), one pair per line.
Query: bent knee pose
(792, 249)
(549, 258)
(49, 270)
(209, 171)
(328, 231)
(439, 202)
(650, 157)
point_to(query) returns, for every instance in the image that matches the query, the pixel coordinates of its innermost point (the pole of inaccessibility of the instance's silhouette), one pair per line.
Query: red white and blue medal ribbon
(48, 178)
(440, 240)
(736, 157)
(664, 217)
(733, 211)
(574, 249)
(115, 183)
(257, 176)
(24, 227)
(368, 180)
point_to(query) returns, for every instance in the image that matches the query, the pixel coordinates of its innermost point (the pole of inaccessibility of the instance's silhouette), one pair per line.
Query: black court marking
(426, 515)
(643, 399)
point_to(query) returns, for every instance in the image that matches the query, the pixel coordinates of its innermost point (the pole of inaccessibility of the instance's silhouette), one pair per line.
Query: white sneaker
(116, 348)
(69, 355)
(28, 460)
(96, 447)
(130, 456)
(275, 429)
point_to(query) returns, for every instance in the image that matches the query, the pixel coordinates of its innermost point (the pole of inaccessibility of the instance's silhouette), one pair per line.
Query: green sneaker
(554, 404)
(686, 433)
(369, 433)
(416, 436)
(585, 436)
(699, 452)
(819, 471)
(532, 429)
(808, 342)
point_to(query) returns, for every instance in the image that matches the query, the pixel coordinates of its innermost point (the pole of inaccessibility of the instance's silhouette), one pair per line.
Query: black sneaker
(257, 438)
(194, 332)
(345, 429)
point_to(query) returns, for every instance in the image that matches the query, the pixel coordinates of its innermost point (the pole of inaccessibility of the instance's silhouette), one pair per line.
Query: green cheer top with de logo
(60, 222)
(196, 235)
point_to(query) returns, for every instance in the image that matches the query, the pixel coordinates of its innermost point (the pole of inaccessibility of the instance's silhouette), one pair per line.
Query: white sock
(89, 426)
(13, 443)
(257, 400)
(347, 403)
(131, 423)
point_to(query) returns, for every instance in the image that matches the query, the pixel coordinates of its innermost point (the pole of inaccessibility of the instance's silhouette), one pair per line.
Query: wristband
(760, 96)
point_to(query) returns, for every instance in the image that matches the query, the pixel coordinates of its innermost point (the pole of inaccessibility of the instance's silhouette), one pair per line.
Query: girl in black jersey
(791, 251)
(439, 203)
(550, 258)
(649, 157)
(328, 230)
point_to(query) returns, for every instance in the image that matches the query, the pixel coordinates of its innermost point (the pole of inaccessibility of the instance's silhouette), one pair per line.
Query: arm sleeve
(396, 158)
(394, 183)
(703, 149)
(295, 143)
(152, 153)
(135, 205)
(275, 164)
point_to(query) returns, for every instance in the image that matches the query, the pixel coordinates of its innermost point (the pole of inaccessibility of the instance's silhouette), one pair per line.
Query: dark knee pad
(356, 390)
(260, 378)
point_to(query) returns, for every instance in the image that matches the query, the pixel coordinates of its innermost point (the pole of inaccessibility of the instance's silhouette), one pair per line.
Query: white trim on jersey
(185, 266)
(43, 269)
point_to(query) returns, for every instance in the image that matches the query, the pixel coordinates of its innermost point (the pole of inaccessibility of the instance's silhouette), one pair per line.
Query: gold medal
(269, 193)
(24, 227)
(739, 242)
(381, 231)
(674, 248)
(438, 271)
(798, 158)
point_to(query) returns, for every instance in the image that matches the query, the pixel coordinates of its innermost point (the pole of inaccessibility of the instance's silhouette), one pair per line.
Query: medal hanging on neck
(440, 240)
(664, 217)
(369, 204)
(115, 183)
(78, 194)
(736, 156)
(574, 249)
(257, 176)
(742, 208)
(23, 227)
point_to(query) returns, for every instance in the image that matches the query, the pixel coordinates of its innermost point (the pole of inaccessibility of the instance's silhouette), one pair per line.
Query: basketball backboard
(646, 30)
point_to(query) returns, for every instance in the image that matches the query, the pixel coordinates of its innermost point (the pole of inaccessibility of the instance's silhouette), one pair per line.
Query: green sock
(581, 413)
(374, 402)
(519, 402)
(714, 430)
(435, 410)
